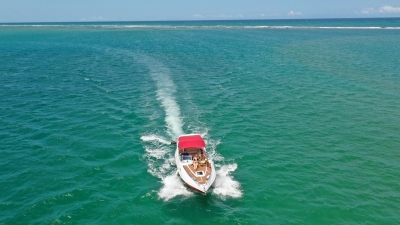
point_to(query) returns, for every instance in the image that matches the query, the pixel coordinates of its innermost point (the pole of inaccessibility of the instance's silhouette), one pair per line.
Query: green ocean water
(301, 118)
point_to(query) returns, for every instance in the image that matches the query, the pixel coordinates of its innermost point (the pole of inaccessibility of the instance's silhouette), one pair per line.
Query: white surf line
(216, 27)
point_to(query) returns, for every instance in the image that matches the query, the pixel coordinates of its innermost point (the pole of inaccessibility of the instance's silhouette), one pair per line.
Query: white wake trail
(154, 137)
(166, 90)
(160, 158)
(225, 186)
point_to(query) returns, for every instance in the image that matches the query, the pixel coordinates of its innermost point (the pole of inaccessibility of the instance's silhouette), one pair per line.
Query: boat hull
(200, 179)
(195, 189)
(191, 183)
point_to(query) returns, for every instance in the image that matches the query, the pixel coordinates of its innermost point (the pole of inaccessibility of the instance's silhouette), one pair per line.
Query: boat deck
(202, 167)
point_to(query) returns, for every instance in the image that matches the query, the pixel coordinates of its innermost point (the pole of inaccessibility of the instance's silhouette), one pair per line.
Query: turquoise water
(300, 116)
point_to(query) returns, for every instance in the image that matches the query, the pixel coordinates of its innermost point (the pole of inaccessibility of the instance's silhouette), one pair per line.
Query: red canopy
(191, 141)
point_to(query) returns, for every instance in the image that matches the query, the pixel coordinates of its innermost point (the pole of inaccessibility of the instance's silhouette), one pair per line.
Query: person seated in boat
(198, 155)
(185, 155)
(203, 158)
(195, 162)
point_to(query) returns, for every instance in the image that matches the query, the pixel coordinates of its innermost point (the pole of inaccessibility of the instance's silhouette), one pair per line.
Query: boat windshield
(186, 157)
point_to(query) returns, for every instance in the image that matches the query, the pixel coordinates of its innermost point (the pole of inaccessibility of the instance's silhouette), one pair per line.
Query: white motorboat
(189, 149)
